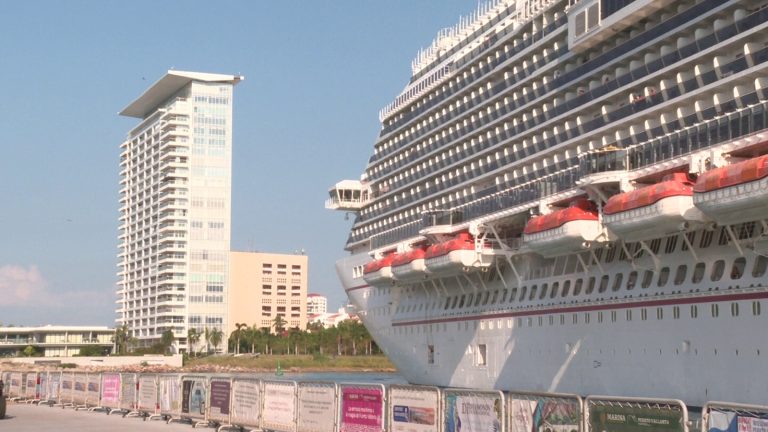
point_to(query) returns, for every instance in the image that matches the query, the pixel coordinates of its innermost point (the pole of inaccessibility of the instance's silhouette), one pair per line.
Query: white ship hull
(658, 350)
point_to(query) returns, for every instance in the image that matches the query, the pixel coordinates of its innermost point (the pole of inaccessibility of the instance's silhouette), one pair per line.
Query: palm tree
(121, 339)
(216, 336)
(207, 334)
(193, 337)
(279, 324)
(238, 331)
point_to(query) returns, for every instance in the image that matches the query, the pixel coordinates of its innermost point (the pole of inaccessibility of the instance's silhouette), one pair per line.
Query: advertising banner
(54, 387)
(246, 402)
(80, 388)
(16, 385)
(147, 397)
(43, 386)
(219, 399)
(540, 413)
(317, 407)
(128, 384)
(614, 418)
(32, 389)
(279, 406)
(67, 386)
(193, 396)
(473, 411)
(93, 392)
(110, 390)
(169, 395)
(752, 424)
(414, 409)
(362, 408)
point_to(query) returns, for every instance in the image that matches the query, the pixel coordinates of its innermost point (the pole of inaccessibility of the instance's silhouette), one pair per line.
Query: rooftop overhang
(167, 86)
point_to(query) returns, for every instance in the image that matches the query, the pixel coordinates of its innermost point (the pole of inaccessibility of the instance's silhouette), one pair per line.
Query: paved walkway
(33, 418)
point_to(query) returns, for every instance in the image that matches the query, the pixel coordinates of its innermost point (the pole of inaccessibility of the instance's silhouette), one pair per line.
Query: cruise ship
(571, 196)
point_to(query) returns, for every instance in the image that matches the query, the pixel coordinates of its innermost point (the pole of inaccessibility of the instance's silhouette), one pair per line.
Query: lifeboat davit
(456, 254)
(410, 265)
(735, 193)
(563, 231)
(379, 272)
(653, 210)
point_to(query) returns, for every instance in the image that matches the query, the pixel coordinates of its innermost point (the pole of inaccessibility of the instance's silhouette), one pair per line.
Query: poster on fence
(544, 414)
(219, 399)
(362, 409)
(317, 407)
(44, 386)
(147, 393)
(473, 412)
(414, 409)
(127, 391)
(32, 388)
(615, 418)
(67, 382)
(193, 394)
(54, 383)
(279, 406)
(110, 390)
(169, 394)
(15, 386)
(80, 388)
(93, 391)
(752, 424)
(246, 408)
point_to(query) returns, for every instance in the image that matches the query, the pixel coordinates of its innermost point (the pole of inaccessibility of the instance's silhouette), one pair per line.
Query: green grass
(305, 363)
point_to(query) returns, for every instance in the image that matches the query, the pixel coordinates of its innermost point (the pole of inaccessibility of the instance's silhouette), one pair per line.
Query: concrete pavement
(33, 418)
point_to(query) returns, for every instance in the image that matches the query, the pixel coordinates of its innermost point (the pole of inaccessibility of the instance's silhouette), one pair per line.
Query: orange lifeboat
(563, 231)
(457, 253)
(653, 210)
(735, 193)
(410, 265)
(379, 272)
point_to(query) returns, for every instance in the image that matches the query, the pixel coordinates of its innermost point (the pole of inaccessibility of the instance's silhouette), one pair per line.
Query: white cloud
(21, 285)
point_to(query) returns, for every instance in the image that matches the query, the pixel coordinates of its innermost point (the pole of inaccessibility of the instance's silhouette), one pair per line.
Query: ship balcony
(348, 195)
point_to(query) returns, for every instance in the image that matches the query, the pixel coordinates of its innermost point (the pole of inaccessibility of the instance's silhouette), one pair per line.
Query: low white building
(334, 318)
(316, 304)
(54, 341)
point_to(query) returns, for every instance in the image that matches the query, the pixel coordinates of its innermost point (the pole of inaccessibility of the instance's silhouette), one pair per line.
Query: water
(339, 377)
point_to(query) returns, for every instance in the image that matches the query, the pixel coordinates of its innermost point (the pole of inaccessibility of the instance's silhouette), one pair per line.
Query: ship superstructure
(571, 197)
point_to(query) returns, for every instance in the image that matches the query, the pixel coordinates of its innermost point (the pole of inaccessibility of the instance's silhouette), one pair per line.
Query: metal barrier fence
(243, 402)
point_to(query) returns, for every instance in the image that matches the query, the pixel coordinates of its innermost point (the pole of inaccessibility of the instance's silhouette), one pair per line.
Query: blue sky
(306, 116)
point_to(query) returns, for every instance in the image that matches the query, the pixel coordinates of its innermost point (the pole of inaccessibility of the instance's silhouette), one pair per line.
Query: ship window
(533, 292)
(647, 278)
(575, 318)
(577, 286)
(715, 310)
(541, 321)
(566, 288)
(590, 285)
(461, 302)
(485, 298)
(717, 270)
(706, 239)
(617, 281)
(470, 297)
(671, 244)
(513, 295)
(599, 317)
(734, 309)
(655, 245)
(430, 354)
(663, 277)
(659, 313)
(755, 308)
(481, 358)
(522, 293)
(543, 291)
(737, 270)
(676, 312)
(447, 303)
(586, 318)
(603, 284)
(761, 262)
(723, 239)
(643, 314)
(478, 298)
(555, 288)
(629, 314)
(504, 293)
(698, 272)
(631, 280)
(682, 271)
(562, 319)
(495, 297)
(455, 300)
(691, 238)
(610, 255)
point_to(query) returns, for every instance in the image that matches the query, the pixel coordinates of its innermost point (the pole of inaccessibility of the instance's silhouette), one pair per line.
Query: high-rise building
(175, 193)
(267, 285)
(316, 304)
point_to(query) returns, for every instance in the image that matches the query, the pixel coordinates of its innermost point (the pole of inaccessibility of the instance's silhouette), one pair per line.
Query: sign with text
(615, 418)
(467, 411)
(110, 390)
(544, 412)
(193, 395)
(147, 394)
(219, 399)
(362, 408)
(128, 383)
(246, 402)
(279, 406)
(414, 409)
(317, 407)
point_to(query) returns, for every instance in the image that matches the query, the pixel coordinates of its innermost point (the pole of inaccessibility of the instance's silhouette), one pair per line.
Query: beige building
(265, 285)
